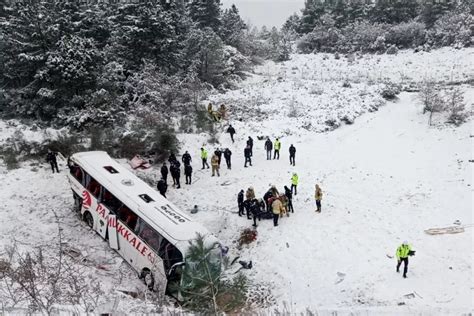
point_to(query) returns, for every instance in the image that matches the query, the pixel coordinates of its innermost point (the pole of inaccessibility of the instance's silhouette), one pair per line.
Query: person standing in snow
(186, 158)
(318, 195)
(247, 154)
(231, 131)
(277, 208)
(277, 147)
(51, 157)
(249, 196)
(403, 251)
(250, 143)
(172, 158)
(215, 165)
(267, 198)
(268, 148)
(188, 171)
(204, 158)
(294, 182)
(227, 156)
(175, 173)
(218, 153)
(292, 154)
(289, 196)
(164, 172)
(162, 187)
(240, 202)
(256, 211)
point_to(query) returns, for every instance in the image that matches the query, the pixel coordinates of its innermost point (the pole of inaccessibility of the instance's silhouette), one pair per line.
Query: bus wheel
(148, 279)
(88, 219)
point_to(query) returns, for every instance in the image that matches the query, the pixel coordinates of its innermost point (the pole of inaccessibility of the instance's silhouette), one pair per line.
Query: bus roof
(159, 213)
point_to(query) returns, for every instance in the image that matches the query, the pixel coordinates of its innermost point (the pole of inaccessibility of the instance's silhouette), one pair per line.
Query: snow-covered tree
(206, 13)
(232, 29)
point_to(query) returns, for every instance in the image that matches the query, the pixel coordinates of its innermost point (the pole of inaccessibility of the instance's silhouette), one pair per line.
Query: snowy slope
(385, 179)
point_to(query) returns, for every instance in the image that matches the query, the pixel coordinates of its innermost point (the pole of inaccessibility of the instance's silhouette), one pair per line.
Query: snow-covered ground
(386, 179)
(307, 91)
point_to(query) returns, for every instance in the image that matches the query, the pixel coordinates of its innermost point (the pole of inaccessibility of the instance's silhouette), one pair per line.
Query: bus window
(93, 186)
(127, 216)
(76, 172)
(149, 235)
(170, 254)
(110, 201)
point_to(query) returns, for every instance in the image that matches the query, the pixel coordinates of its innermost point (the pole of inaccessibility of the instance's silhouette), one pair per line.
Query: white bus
(148, 231)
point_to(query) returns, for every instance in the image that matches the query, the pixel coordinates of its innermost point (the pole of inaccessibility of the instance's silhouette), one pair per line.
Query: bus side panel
(112, 231)
(127, 242)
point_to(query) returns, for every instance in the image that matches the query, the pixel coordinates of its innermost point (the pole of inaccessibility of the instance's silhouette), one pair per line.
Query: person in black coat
(188, 171)
(51, 157)
(186, 158)
(250, 143)
(292, 154)
(227, 156)
(256, 211)
(268, 148)
(289, 196)
(172, 158)
(240, 202)
(231, 131)
(164, 172)
(247, 154)
(175, 173)
(218, 153)
(162, 187)
(266, 198)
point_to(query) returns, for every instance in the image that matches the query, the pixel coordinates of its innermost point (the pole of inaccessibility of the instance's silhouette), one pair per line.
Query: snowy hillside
(386, 178)
(308, 91)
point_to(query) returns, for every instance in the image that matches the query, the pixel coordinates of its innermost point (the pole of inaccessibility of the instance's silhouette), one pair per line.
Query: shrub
(392, 50)
(164, 142)
(406, 34)
(456, 107)
(452, 29)
(390, 90)
(10, 159)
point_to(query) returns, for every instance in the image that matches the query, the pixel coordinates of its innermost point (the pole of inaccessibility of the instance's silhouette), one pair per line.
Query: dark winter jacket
(240, 197)
(164, 171)
(186, 158)
(162, 186)
(51, 156)
(174, 168)
(267, 196)
(172, 158)
(292, 150)
(247, 152)
(250, 142)
(227, 153)
(288, 193)
(188, 170)
(255, 207)
(231, 130)
(268, 145)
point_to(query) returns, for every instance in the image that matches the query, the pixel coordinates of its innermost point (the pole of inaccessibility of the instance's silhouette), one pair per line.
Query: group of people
(217, 115)
(276, 146)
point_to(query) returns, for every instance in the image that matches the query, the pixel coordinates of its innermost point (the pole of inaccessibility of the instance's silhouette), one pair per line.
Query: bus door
(112, 231)
(102, 215)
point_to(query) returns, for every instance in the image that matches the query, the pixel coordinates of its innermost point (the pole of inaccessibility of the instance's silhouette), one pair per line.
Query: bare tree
(455, 106)
(431, 99)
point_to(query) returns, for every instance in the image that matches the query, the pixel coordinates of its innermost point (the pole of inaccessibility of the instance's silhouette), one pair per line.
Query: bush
(390, 90)
(164, 142)
(406, 34)
(452, 29)
(392, 50)
(9, 157)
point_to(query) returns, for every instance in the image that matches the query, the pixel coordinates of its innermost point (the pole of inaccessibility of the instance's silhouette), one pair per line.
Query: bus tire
(77, 203)
(148, 279)
(89, 219)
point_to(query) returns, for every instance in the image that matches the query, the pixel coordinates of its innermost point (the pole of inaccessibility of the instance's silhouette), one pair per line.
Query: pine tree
(233, 27)
(205, 287)
(206, 13)
(432, 10)
(312, 11)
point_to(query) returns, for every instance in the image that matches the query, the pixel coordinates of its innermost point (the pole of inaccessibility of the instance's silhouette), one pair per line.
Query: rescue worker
(223, 111)
(209, 108)
(247, 155)
(250, 143)
(277, 208)
(240, 202)
(218, 152)
(231, 131)
(267, 197)
(51, 157)
(162, 187)
(188, 171)
(186, 158)
(277, 147)
(164, 172)
(292, 154)
(294, 182)
(403, 251)
(227, 156)
(204, 158)
(268, 148)
(289, 196)
(215, 165)
(318, 195)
